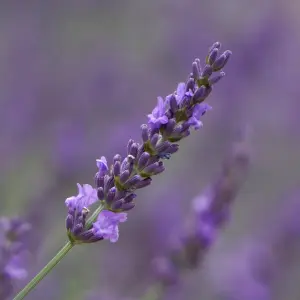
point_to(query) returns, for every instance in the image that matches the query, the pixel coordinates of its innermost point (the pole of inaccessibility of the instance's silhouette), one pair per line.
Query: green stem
(55, 260)
(40, 276)
(94, 216)
(154, 292)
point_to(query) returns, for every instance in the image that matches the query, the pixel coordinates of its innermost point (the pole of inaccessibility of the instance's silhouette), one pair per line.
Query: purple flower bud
(120, 194)
(196, 72)
(133, 149)
(170, 127)
(153, 159)
(173, 104)
(172, 148)
(117, 205)
(143, 183)
(127, 206)
(117, 157)
(162, 147)
(117, 168)
(215, 79)
(111, 195)
(202, 93)
(100, 193)
(99, 180)
(212, 56)
(78, 228)
(133, 181)
(69, 222)
(145, 133)
(207, 71)
(141, 150)
(190, 85)
(129, 198)
(143, 160)
(221, 61)
(124, 176)
(154, 139)
(108, 183)
(130, 143)
(154, 169)
(127, 164)
(197, 61)
(87, 235)
(216, 45)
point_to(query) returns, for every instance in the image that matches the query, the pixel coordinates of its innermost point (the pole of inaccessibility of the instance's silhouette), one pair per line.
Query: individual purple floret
(158, 117)
(199, 110)
(210, 211)
(170, 121)
(13, 252)
(107, 223)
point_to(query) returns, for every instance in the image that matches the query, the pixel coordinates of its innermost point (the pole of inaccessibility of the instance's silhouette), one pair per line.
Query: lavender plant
(13, 232)
(209, 213)
(115, 185)
(261, 262)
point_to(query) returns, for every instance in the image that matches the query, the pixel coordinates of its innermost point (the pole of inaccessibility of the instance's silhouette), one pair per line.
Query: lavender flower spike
(170, 121)
(209, 214)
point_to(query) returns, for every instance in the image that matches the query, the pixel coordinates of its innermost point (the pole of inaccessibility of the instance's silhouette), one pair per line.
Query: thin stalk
(44, 272)
(55, 260)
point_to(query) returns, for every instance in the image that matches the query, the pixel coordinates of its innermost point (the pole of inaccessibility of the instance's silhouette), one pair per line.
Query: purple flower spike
(169, 122)
(210, 212)
(158, 117)
(199, 110)
(107, 223)
(102, 165)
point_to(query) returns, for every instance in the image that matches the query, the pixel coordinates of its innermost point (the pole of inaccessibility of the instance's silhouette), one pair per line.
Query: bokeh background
(77, 79)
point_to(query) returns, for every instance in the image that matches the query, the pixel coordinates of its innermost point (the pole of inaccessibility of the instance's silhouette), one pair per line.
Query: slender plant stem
(94, 216)
(55, 260)
(154, 292)
(44, 272)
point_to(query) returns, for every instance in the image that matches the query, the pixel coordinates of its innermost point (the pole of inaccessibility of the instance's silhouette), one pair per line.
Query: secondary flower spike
(210, 211)
(115, 184)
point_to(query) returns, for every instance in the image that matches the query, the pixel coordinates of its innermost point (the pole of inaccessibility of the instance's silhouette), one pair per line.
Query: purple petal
(87, 195)
(107, 223)
(198, 111)
(157, 117)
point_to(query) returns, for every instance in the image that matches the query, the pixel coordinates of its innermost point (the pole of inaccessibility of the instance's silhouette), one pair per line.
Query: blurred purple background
(77, 79)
